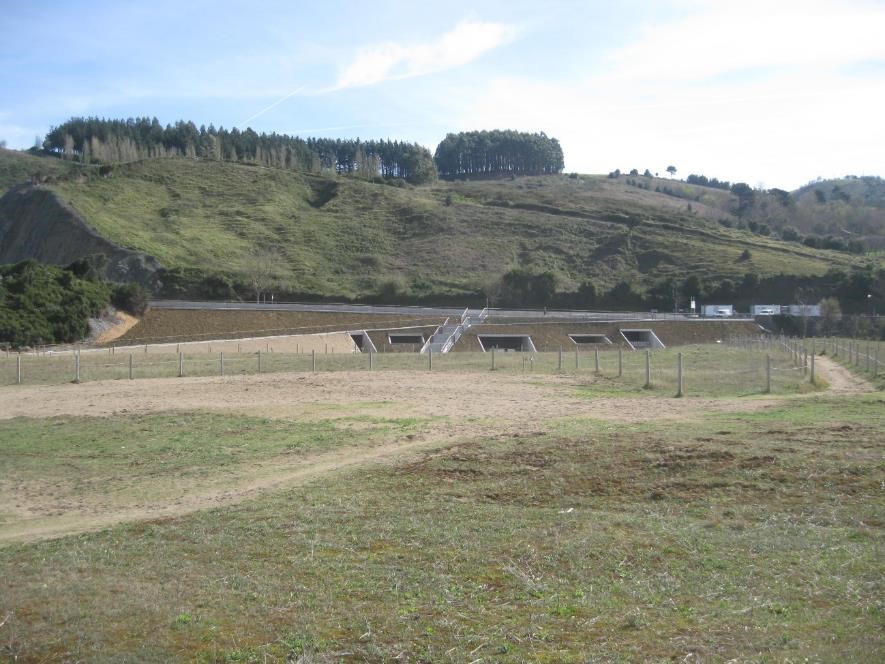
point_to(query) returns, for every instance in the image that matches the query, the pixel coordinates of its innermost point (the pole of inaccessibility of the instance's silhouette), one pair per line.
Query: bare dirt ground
(122, 323)
(841, 380)
(460, 407)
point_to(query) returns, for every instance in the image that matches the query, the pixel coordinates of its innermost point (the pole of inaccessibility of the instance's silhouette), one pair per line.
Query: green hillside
(340, 236)
(344, 236)
(20, 167)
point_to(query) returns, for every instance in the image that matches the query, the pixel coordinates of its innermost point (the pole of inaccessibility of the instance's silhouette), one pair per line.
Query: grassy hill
(19, 167)
(339, 236)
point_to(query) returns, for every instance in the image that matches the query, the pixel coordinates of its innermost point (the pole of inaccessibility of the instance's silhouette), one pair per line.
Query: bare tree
(261, 271)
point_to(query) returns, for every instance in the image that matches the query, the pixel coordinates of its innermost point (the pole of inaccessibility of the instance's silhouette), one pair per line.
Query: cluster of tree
(704, 181)
(111, 141)
(491, 153)
(855, 290)
(634, 172)
(46, 304)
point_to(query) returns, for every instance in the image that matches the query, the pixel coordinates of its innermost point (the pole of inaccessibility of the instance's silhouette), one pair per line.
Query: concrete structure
(641, 338)
(516, 342)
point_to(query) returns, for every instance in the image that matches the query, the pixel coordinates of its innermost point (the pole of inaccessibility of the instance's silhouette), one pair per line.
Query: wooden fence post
(620, 362)
(647, 368)
(221, 363)
(679, 387)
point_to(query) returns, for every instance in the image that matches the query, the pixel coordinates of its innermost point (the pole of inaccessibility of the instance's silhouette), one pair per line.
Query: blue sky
(771, 93)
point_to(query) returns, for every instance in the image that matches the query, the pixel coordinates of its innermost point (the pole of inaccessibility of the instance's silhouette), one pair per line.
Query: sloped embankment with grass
(337, 236)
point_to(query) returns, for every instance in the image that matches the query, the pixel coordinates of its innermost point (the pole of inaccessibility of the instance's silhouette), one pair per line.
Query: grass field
(748, 531)
(707, 370)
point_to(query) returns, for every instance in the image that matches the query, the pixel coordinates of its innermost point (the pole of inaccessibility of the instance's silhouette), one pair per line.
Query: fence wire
(740, 366)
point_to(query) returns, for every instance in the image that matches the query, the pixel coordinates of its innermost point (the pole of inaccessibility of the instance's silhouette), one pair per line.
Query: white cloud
(726, 38)
(465, 43)
(739, 92)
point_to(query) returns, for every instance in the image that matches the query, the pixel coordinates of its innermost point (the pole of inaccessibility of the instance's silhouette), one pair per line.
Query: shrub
(41, 304)
(131, 298)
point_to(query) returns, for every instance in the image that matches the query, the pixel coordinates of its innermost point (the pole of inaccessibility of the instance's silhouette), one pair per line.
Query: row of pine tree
(96, 140)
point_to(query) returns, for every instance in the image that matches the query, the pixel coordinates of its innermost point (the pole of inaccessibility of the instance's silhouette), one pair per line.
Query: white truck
(719, 310)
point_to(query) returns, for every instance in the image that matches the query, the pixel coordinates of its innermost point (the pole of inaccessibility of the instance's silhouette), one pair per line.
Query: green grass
(19, 167)
(750, 537)
(86, 462)
(213, 216)
(708, 370)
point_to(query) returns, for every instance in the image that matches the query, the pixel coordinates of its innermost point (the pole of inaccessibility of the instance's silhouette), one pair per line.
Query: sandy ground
(123, 323)
(461, 407)
(324, 342)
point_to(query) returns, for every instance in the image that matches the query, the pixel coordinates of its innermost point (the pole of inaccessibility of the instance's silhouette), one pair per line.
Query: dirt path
(458, 406)
(841, 380)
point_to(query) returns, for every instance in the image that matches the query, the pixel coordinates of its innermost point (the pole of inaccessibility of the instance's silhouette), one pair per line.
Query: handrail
(447, 346)
(429, 341)
(465, 314)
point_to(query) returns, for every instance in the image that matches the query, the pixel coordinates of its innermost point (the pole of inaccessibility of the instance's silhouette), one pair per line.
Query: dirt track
(461, 405)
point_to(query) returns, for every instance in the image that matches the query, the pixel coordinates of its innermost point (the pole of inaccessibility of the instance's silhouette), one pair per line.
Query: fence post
(430, 358)
(77, 362)
(620, 362)
(679, 386)
(370, 359)
(259, 361)
(647, 368)
(18, 369)
(221, 363)
(768, 374)
(180, 365)
(597, 359)
(130, 366)
(577, 362)
(560, 357)
(313, 360)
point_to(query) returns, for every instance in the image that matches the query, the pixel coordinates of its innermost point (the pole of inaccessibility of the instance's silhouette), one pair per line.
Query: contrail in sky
(275, 104)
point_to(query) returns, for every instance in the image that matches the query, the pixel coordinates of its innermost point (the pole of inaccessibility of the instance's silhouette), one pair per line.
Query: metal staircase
(447, 334)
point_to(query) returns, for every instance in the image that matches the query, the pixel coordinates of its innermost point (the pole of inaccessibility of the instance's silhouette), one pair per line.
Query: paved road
(418, 311)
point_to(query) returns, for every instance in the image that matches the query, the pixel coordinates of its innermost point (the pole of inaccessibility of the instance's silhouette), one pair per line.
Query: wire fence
(738, 366)
(862, 356)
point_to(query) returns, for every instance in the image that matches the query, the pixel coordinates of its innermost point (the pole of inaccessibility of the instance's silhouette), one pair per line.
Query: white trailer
(765, 309)
(718, 310)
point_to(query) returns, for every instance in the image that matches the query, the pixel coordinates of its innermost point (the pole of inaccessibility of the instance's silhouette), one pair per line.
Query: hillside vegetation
(348, 237)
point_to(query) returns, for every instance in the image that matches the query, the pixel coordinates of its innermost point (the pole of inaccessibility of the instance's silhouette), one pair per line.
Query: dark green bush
(131, 298)
(43, 304)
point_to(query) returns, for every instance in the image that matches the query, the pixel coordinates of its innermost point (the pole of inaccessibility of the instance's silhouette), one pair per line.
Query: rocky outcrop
(36, 223)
